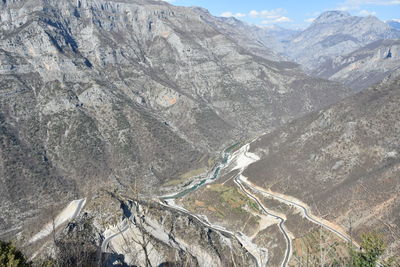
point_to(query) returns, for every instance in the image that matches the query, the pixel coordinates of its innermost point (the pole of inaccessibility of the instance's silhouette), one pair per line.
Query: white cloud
(228, 14)
(309, 20)
(239, 15)
(276, 20)
(357, 4)
(270, 16)
(267, 16)
(365, 13)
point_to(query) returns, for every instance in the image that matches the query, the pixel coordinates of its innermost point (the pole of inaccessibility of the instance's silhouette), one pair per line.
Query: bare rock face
(102, 93)
(363, 67)
(177, 239)
(343, 161)
(333, 34)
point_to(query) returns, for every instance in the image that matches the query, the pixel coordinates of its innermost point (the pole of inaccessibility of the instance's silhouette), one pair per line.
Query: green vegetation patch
(193, 173)
(10, 256)
(232, 196)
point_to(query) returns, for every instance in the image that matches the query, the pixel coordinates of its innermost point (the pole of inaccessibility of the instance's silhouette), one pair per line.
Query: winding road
(108, 239)
(243, 159)
(281, 224)
(305, 210)
(259, 260)
(169, 203)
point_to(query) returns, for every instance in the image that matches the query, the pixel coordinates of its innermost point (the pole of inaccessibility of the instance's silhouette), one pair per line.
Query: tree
(372, 247)
(10, 256)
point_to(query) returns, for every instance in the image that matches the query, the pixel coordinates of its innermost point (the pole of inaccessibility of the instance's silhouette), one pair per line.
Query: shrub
(372, 247)
(10, 256)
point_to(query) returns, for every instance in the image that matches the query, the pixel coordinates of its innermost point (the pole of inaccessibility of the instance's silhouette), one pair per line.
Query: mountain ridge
(333, 34)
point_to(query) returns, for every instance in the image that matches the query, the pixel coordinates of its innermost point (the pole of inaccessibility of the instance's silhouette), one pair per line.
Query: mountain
(257, 39)
(280, 33)
(395, 24)
(106, 94)
(363, 67)
(343, 161)
(333, 34)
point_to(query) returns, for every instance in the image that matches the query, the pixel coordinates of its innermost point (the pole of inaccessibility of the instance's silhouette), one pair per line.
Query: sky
(293, 13)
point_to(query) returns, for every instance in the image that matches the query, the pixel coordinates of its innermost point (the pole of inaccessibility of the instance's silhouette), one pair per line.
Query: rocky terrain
(120, 228)
(332, 35)
(365, 66)
(342, 161)
(273, 38)
(107, 94)
(117, 105)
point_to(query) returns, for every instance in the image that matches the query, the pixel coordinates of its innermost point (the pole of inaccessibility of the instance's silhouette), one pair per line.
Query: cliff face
(98, 93)
(138, 233)
(177, 238)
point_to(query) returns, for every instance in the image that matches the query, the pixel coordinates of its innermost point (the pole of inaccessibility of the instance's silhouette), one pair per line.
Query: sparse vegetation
(318, 252)
(319, 248)
(221, 202)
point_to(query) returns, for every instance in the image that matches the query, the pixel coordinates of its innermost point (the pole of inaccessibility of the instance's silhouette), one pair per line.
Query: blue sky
(293, 13)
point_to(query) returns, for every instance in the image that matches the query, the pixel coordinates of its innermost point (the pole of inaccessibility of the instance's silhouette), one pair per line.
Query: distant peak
(200, 9)
(330, 16)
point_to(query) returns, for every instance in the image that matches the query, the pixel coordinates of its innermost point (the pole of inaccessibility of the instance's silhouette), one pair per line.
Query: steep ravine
(175, 235)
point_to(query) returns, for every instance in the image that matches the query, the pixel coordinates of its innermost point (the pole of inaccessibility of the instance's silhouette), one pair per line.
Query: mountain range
(363, 67)
(223, 143)
(105, 92)
(335, 35)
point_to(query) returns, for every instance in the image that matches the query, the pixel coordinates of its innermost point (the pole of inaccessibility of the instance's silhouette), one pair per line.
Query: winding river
(214, 175)
(243, 158)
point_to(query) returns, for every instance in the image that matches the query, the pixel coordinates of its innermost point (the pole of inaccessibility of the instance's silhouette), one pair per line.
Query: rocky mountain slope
(363, 67)
(335, 33)
(108, 93)
(273, 37)
(258, 40)
(342, 161)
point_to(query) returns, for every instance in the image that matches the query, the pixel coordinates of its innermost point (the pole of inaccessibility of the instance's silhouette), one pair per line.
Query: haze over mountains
(363, 67)
(100, 99)
(336, 40)
(334, 35)
(394, 24)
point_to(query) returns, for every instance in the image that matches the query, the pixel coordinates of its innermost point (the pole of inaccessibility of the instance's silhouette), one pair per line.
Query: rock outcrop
(363, 67)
